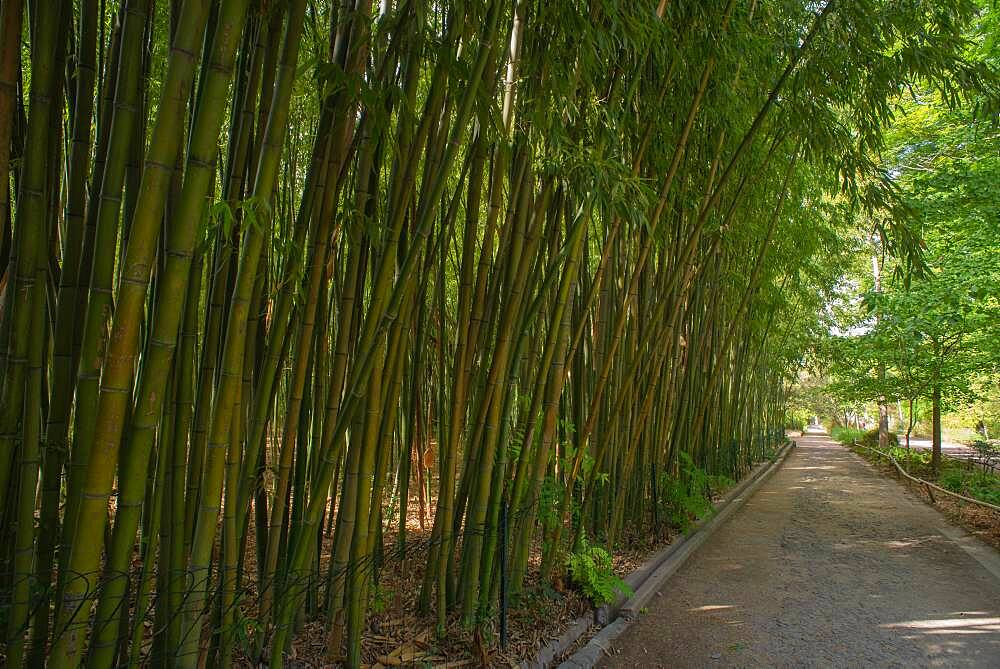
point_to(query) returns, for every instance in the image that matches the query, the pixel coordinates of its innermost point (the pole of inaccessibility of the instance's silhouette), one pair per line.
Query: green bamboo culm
(161, 343)
(20, 399)
(117, 369)
(232, 356)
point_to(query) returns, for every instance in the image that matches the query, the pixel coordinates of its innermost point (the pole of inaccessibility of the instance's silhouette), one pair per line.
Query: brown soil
(829, 564)
(399, 636)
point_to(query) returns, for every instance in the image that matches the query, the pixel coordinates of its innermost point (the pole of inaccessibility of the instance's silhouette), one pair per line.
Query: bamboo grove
(281, 276)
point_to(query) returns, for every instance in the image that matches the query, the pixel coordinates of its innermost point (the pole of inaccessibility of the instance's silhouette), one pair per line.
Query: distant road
(948, 448)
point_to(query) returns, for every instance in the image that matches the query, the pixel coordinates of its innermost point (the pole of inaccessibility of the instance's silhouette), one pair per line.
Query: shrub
(687, 497)
(987, 451)
(951, 479)
(985, 487)
(912, 457)
(846, 435)
(590, 570)
(975, 483)
(870, 439)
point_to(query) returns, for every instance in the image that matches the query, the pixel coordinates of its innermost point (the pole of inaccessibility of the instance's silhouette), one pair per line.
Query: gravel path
(828, 565)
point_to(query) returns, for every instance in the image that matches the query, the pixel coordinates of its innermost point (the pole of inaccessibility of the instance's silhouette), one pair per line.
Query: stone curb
(549, 652)
(649, 578)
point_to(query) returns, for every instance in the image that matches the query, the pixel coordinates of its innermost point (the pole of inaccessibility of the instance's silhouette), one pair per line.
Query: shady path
(828, 565)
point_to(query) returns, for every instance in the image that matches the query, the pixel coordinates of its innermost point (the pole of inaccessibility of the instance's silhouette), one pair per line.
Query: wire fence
(202, 593)
(928, 486)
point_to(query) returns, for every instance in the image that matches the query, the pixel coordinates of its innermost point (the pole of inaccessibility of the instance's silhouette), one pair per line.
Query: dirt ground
(828, 565)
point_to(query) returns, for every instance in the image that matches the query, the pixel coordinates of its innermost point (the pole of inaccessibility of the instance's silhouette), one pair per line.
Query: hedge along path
(296, 261)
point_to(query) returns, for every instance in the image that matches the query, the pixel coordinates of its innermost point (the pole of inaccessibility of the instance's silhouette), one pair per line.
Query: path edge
(983, 553)
(650, 577)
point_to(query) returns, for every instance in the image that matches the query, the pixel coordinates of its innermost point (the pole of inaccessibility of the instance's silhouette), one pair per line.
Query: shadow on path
(829, 564)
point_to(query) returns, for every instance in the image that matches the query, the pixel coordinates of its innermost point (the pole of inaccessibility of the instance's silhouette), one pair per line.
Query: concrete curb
(550, 651)
(648, 578)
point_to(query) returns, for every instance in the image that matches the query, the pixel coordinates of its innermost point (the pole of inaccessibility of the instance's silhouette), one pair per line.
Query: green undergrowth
(590, 569)
(848, 435)
(687, 498)
(683, 498)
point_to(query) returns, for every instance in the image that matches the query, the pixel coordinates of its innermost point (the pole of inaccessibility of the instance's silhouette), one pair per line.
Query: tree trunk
(936, 428)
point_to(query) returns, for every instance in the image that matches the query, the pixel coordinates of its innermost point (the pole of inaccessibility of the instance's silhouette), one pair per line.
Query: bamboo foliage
(284, 281)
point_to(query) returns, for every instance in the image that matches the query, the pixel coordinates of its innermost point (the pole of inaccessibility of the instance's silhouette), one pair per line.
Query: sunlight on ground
(905, 542)
(908, 543)
(950, 625)
(824, 467)
(712, 607)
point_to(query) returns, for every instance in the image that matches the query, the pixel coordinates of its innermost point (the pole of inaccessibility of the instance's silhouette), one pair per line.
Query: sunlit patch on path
(829, 564)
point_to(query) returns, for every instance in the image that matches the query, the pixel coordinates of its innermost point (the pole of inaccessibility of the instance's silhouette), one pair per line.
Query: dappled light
(823, 467)
(970, 625)
(822, 581)
(712, 607)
